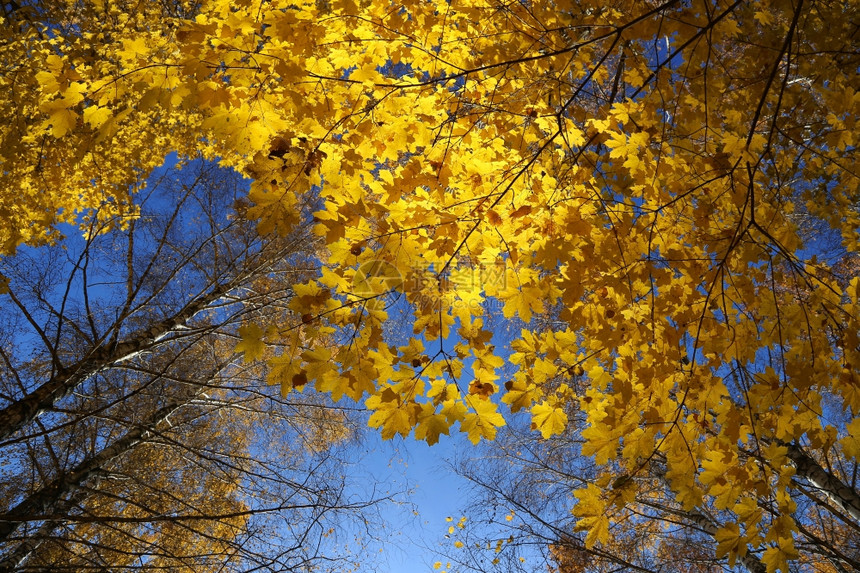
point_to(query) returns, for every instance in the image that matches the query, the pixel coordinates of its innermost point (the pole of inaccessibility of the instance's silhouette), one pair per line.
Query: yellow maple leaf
(777, 558)
(391, 416)
(730, 542)
(97, 116)
(598, 531)
(251, 343)
(851, 442)
(62, 122)
(48, 81)
(590, 509)
(431, 425)
(519, 395)
(482, 421)
(549, 419)
(600, 442)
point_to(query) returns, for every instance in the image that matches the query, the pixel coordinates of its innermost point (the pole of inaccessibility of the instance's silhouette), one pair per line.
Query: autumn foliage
(671, 186)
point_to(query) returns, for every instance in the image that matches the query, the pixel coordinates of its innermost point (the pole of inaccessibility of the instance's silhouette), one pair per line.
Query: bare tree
(529, 484)
(132, 434)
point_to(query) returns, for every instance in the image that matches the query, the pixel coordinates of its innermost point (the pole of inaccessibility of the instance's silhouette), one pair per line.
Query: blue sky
(430, 491)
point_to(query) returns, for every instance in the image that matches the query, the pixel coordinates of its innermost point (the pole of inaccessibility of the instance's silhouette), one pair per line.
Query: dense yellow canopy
(664, 184)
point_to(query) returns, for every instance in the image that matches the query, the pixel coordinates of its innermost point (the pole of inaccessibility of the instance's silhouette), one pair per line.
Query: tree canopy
(664, 194)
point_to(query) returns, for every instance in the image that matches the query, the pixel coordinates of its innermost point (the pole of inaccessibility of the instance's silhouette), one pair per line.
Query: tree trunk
(21, 412)
(841, 495)
(43, 503)
(20, 554)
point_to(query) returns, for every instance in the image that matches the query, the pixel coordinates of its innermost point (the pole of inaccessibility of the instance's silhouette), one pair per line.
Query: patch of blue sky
(394, 69)
(664, 52)
(434, 492)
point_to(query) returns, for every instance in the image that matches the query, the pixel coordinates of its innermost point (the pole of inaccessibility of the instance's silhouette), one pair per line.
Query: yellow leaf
(317, 355)
(764, 16)
(392, 417)
(777, 558)
(48, 81)
(730, 542)
(749, 511)
(481, 423)
(590, 509)
(599, 377)
(63, 121)
(430, 427)
(251, 342)
(519, 395)
(851, 443)
(549, 419)
(598, 532)
(599, 442)
(97, 116)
